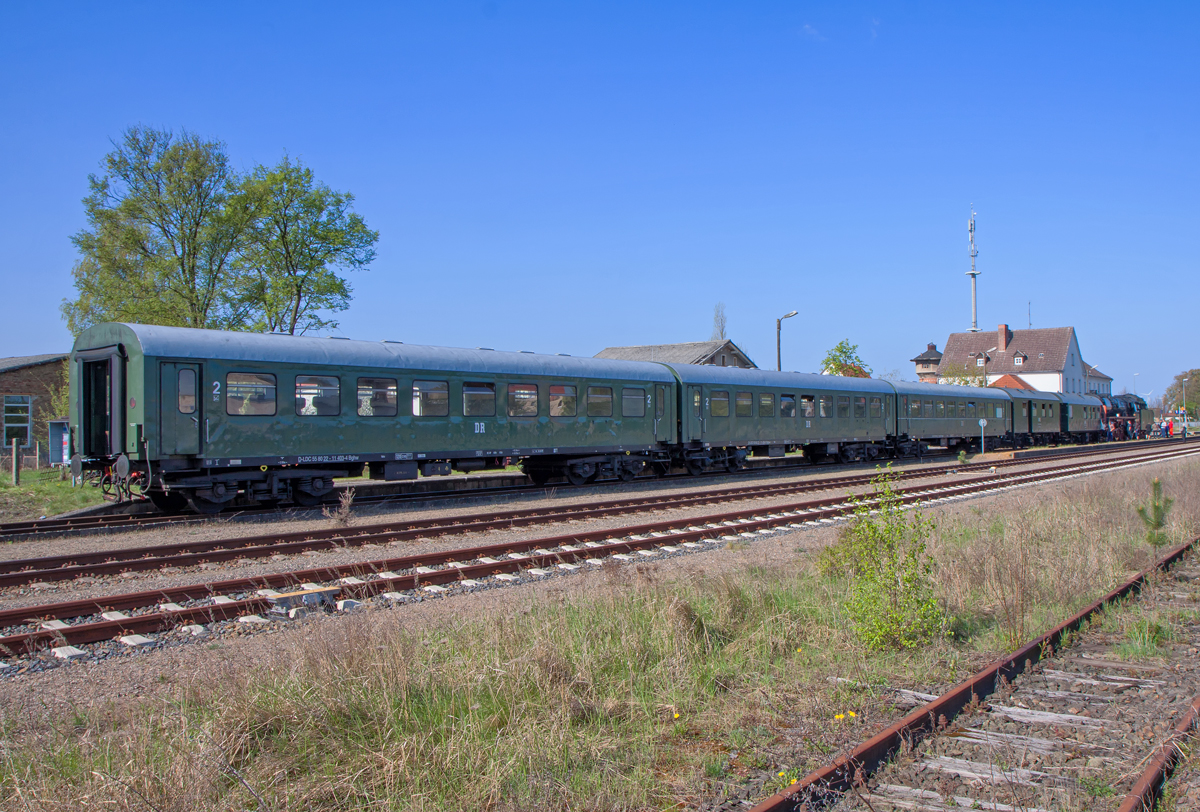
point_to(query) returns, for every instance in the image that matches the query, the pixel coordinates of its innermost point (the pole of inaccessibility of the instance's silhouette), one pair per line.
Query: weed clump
(344, 512)
(892, 602)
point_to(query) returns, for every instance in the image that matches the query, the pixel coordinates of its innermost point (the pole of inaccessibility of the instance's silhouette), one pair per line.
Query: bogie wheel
(625, 475)
(694, 467)
(538, 476)
(172, 502)
(733, 463)
(305, 499)
(578, 478)
(205, 506)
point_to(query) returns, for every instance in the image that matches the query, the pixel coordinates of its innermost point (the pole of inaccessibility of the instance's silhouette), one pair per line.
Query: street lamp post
(1185, 415)
(778, 330)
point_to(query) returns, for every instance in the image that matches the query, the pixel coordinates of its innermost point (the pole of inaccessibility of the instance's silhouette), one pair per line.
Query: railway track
(1065, 722)
(129, 617)
(124, 521)
(108, 562)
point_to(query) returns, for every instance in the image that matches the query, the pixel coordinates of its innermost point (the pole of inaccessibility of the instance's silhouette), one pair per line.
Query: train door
(661, 424)
(179, 409)
(101, 402)
(694, 424)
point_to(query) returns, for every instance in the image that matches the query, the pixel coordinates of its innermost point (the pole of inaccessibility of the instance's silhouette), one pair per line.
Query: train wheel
(625, 475)
(305, 499)
(538, 476)
(578, 478)
(205, 506)
(694, 467)
(172, 502)
(733, 463)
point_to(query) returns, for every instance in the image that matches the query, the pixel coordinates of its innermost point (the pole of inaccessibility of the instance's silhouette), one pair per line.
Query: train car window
(876, 408)
(377, 397)
(633, 402)
(249, 393)
(562, 401)
(766, 404)
(970, 408)
(720, 404)
(929, 408)
(479, 399)
(826, 405)
(1000, 411)
(185, 389)
(860, 406)
(745, 404)
(843, 407)
(599, 401)
(660, 404)
(962, 409)
(787, 405)
(1024, 410)
(914, 408)
(808, 406)
(522, 400)
(431, 398)
(696, 402)
(318, 395)
(939, 408)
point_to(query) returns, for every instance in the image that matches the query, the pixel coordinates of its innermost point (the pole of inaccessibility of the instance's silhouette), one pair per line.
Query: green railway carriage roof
(734, 376)
(950, 391)
(187, 342)
(1078, 400)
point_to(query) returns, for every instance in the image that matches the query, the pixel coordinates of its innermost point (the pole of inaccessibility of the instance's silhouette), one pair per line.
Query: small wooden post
(16, 463)
(37, 456)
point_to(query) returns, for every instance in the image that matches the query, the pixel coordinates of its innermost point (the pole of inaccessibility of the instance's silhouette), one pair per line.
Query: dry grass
(1012, 576)
(636, 695)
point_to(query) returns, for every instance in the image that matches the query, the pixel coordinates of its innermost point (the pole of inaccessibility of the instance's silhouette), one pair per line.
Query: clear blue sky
(566, 176)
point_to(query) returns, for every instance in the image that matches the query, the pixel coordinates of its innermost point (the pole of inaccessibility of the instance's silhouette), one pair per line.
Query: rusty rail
(1161, 764)
(835, 779)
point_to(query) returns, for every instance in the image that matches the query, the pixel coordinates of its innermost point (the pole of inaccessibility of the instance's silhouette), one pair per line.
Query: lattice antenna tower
(974, 252)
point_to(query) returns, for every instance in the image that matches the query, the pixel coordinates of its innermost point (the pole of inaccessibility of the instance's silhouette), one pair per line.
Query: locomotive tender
(199, 417)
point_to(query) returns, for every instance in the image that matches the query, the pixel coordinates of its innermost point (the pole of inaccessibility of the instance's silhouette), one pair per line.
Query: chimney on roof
(1005, 336)
(933, 347)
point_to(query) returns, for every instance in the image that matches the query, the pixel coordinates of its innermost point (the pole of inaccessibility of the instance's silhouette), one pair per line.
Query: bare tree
(718, 333)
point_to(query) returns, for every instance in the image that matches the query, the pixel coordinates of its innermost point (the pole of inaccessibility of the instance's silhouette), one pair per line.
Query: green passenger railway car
(201, 415)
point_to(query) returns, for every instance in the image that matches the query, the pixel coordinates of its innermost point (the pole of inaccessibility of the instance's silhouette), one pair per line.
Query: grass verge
(633, 694)
(41, 493)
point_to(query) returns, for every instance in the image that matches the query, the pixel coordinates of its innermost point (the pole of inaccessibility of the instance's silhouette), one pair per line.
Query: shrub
(1154, 515)
(892, 601)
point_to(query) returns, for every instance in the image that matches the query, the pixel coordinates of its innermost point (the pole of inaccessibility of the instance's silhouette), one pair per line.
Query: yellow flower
(852, 714)
(794, 780)
(677, 716)
(840, 716)
(781, 773)
(799, 650)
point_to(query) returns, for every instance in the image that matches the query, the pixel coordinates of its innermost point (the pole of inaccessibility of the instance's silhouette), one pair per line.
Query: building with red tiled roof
(1046, 359)
(1009, 382)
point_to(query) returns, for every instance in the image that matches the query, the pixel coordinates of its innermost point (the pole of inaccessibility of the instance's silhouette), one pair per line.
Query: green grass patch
(42, 493)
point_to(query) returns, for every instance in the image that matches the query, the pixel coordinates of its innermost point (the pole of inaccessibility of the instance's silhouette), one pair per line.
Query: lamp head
(789, 315)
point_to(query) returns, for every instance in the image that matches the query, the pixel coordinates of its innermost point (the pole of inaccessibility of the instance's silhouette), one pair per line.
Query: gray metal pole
(778, 354)
(16, 461)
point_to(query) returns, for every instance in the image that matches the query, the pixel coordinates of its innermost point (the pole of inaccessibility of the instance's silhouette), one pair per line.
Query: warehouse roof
(692, 352)
(22, 361)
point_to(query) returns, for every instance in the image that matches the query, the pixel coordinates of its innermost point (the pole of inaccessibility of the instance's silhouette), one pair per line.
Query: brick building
(26, 384)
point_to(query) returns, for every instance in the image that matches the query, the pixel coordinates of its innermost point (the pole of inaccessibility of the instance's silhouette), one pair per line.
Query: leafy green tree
(962, 375)
(165, 222)
(303, 234)
(843, 360)
(1173, 397)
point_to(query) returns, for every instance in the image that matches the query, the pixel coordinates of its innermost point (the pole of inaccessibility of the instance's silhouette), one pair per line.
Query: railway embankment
(699, 680)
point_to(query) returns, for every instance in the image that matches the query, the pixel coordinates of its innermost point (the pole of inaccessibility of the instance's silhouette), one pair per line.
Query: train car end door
(695, 414)
(179, 409)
